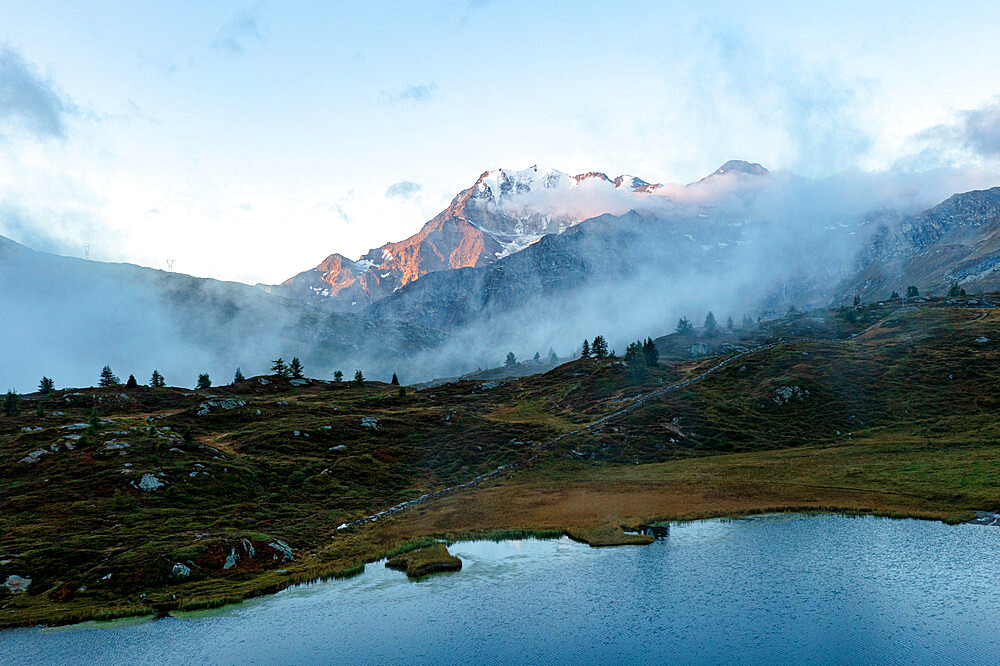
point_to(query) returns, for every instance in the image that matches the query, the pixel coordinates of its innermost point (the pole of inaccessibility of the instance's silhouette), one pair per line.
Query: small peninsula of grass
(424, 561)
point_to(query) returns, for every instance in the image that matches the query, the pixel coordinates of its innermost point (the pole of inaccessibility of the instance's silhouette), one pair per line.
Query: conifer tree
(747, 321)
(684, 326)
(395, 380)
(599, 347)
(912, 291)
(729, 323)
(553, 357)
(279, 368)
(11, 403)
(635, 358)
(157, 380)
(204, 381)
(537, 357)
(238, 377)
(338, 376)
(295, 367)
(46, 385)
(108, 378)
(359, 378)
(131, 383)
(651, 353)
(585, 351)
(511, 360)
(711, 328)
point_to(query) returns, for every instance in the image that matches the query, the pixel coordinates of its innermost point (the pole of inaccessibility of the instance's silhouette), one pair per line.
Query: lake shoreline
(600, 537)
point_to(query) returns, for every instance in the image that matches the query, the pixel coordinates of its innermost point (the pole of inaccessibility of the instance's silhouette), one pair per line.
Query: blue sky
(249, 140)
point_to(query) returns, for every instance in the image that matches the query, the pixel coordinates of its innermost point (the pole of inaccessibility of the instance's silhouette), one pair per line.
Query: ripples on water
(774, 589)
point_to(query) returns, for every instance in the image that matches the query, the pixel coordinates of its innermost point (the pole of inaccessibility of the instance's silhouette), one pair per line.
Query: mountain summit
(503, 212)
(739, 168)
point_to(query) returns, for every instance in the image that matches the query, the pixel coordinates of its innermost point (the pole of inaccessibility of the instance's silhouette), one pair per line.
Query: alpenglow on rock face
(503, 212)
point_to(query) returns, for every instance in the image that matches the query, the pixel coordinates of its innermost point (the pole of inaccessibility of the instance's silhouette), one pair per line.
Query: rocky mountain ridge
(503, 212)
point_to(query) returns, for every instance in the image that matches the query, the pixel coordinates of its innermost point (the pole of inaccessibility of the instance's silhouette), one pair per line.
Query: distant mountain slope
(502, 213)
(67, 317)
(627, 276)
(956, 241)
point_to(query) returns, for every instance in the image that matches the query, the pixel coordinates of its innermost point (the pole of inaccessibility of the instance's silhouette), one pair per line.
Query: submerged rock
(986, 518)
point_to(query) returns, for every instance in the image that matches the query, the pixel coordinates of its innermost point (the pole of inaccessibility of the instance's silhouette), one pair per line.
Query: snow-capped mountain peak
(503, 212)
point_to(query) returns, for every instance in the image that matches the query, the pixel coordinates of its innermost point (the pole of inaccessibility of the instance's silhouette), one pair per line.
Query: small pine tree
(537, 357)
(40, 409)
(684, 326)
(46, 385)
(12, 403)
(912, 291)
(747, 321)
(599, 347)
(553, 357)
(585, 350)
(157, 380)
(131, 383)
(238, 377)
(338, 376)
(711, 328)
(204, 381)
(511, 360)
(94, 422)
(359, 378)
(108, 378)
(295, 367)
(894, 294)
(395, 380)
(635, 358)
(651, 353)
(857, 300)
(279, 368)
(729, 323)
(954, 291)
(401, 391)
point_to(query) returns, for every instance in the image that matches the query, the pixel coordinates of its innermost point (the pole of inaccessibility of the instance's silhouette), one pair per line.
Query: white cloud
(28, 102)
(421, 92)
(237, 33)
(404, 189)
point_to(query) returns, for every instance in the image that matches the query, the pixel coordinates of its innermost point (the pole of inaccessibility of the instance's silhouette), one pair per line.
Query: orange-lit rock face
(489, 220)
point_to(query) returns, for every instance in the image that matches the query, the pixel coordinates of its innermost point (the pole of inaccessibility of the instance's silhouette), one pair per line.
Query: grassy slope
(900, 420)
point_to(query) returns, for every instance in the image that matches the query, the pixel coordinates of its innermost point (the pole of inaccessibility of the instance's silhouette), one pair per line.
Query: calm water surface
(773, 589)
